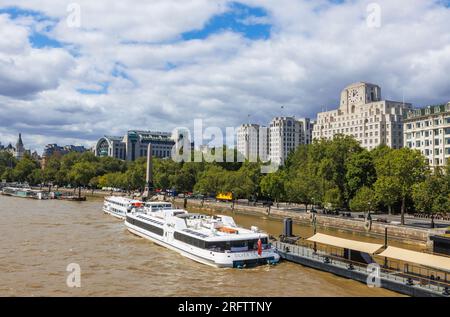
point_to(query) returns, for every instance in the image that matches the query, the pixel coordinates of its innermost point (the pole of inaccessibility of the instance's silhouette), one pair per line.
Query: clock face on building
(353, 96)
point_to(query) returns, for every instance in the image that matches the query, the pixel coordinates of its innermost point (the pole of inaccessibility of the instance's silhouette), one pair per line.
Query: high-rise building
(286, 134)
(253, 142)
(307, 126)
(365, 116)
(135, 145)
(428, 130)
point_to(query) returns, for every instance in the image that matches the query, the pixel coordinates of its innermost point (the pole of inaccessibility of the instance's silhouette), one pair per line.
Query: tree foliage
(336, 173)
(364, 200)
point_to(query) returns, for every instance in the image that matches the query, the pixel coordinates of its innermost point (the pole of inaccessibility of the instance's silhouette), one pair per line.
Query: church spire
(20, 142)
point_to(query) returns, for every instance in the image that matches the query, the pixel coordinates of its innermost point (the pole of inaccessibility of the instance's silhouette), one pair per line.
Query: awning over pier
(424, 259)
(369, 248)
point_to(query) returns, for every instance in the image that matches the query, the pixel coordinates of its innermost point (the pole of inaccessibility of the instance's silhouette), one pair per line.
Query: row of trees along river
(335, 174)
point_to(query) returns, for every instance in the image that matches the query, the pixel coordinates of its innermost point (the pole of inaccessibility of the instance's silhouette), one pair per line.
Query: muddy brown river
(39, 239)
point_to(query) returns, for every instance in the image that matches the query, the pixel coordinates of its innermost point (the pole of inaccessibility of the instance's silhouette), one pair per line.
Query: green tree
(244, 183)
(88, 157)
(8, 174)
(387, 191)
(212, 180)
(364, 200)
(184, 177)
(7, 160)
(431, 195)
(380, 152)
(24, 169)
(94, 183)
(36, 177)
(333, 198)
(114, 180)
(135, 175)
(110, 165)
(330, 160)
(272, 186)
(80, 174)
(66, 164)
(162, 171)
(51, 170)
(360, 172)
(408, 167)
(304, 187)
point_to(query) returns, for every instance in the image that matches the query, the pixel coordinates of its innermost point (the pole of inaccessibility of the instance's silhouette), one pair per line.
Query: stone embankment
(404, 234)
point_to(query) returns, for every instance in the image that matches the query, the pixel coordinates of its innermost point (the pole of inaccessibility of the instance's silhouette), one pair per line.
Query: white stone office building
(364, 115)
(428, 130)
(307, 127)
(252, 142)
(286, 134)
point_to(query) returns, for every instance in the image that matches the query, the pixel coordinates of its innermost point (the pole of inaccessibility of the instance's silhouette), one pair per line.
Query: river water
(39, 239)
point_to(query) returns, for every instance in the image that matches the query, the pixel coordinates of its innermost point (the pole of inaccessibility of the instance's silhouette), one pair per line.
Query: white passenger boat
(120, 206)
(213, 240)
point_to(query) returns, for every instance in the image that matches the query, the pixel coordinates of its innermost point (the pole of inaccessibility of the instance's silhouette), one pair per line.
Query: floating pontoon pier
(403, 271)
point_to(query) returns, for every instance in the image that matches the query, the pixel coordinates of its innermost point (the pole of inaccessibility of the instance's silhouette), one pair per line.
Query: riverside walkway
(417, 235)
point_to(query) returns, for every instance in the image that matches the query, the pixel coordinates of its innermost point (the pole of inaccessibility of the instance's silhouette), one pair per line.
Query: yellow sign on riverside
(225, 196)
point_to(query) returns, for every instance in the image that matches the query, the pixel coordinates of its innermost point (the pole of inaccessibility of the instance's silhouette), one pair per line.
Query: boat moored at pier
(25, 193)
(213, 240)
(119, 207)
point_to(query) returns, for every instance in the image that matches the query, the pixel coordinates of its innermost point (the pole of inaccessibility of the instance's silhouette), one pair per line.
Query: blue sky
(38, 39)
(238, 18)
(235, 20)
(161, 64)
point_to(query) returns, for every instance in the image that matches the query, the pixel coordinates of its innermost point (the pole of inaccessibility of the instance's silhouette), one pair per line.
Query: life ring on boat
(227, 230)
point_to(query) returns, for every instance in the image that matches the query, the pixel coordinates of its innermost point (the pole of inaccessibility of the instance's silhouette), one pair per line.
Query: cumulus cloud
(129, 67)
(25, 71)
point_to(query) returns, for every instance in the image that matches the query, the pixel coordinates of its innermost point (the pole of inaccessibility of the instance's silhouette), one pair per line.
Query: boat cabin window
(236, 246)
(190, 240)
(221, 246)
(146, 226)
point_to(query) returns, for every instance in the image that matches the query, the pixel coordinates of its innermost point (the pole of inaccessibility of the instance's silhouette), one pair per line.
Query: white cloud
(25, 71)
(316, 48)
